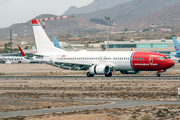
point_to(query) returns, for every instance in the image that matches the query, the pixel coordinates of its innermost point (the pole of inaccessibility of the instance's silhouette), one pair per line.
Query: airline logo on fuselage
(63, 55)
(12, 59)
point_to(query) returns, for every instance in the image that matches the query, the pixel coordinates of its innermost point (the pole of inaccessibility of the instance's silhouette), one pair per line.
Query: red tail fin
(132, 49)
(23, 54)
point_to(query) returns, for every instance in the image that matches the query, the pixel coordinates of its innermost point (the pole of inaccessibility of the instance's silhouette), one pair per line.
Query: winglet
(176, 45)
(23, 54)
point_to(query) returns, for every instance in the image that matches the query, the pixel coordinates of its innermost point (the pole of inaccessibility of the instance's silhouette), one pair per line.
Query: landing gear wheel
(158, 75)
(89, 75)
(109, 75)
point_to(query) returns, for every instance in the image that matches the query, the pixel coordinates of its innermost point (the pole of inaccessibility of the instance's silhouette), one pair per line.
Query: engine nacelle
(99, 69)
(129, 72)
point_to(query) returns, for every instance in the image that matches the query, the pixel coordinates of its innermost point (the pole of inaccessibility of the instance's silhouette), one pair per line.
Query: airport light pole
(11, 41)
(107, 18)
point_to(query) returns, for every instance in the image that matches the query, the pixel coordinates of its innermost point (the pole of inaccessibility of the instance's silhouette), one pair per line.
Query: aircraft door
(151, 59)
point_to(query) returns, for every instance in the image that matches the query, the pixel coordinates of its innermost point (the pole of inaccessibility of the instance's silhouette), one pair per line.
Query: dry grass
(167, 112)
(136, 89)
(21, 105)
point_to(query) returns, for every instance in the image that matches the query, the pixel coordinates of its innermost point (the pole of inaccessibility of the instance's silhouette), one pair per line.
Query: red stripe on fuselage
(148, 61)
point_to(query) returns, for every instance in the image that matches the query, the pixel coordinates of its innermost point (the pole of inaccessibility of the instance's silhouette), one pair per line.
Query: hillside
(94, 6)
(61, 26)
(166, 16)
(130, 11)
(135, 14)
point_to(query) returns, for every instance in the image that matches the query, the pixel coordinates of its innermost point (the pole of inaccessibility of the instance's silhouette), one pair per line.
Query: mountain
(94, 6)
(166, 16)
(130, 10)
(68, 25)
(134, 14)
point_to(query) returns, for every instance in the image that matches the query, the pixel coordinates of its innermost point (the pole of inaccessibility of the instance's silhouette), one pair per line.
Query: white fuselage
(120, 60)
(14, 59)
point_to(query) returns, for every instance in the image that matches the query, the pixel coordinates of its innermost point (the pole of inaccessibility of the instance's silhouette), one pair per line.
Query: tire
(158, 75)
(89, 75)
(109, 75)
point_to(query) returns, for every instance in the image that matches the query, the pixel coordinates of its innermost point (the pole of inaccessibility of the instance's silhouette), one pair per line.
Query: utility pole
(107, 18)
(10, 41)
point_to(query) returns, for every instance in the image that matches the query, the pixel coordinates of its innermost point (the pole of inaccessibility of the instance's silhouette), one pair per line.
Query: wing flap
(69, 65)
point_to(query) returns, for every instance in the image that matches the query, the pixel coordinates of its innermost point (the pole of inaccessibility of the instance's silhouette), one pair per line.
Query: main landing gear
(90, 75)
(109, 75)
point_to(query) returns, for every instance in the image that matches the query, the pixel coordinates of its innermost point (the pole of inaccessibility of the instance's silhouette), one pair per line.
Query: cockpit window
(161, 58)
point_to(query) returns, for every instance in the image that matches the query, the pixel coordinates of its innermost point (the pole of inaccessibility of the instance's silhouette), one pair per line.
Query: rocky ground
(123, 89)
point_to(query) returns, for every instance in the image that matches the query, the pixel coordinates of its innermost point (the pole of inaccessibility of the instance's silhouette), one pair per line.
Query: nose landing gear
(159, 71)
(158, 75)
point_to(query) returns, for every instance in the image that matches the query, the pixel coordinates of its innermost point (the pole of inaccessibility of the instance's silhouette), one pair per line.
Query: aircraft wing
(69, 65)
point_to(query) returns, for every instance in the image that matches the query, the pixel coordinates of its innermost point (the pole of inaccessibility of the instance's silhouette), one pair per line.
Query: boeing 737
(176, 46)
(98, 62)
(15, 59)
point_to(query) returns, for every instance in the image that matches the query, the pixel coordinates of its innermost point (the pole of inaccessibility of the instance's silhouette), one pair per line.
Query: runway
(84, 77)
(113, 104)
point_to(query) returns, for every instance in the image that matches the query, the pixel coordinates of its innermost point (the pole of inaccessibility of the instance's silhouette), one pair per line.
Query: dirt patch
(163, 112)
(20, 105)
(91, 89)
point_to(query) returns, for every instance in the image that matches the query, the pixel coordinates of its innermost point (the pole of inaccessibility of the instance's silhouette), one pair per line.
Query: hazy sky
(20, 11)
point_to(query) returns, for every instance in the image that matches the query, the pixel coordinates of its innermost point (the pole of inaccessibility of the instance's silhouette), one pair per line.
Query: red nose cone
(170, 63)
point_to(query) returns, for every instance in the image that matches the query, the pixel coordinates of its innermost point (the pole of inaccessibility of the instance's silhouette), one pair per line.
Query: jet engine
(129, 72)
(99, 69)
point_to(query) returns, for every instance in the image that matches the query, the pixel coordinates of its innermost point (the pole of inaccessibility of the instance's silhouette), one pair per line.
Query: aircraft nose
(170, 63)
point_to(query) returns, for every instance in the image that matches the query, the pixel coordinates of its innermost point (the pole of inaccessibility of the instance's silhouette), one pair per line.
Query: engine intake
(99, 69)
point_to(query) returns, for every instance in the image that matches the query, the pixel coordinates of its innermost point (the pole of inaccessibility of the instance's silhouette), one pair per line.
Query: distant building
(140, 44)
(77, 35)
(165, 29)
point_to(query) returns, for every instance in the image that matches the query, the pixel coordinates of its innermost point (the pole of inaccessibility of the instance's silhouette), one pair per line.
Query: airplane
(56, 43)
(15, 59)
(34, 50)
(176, 46)
(98, 62)
(31, 60)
